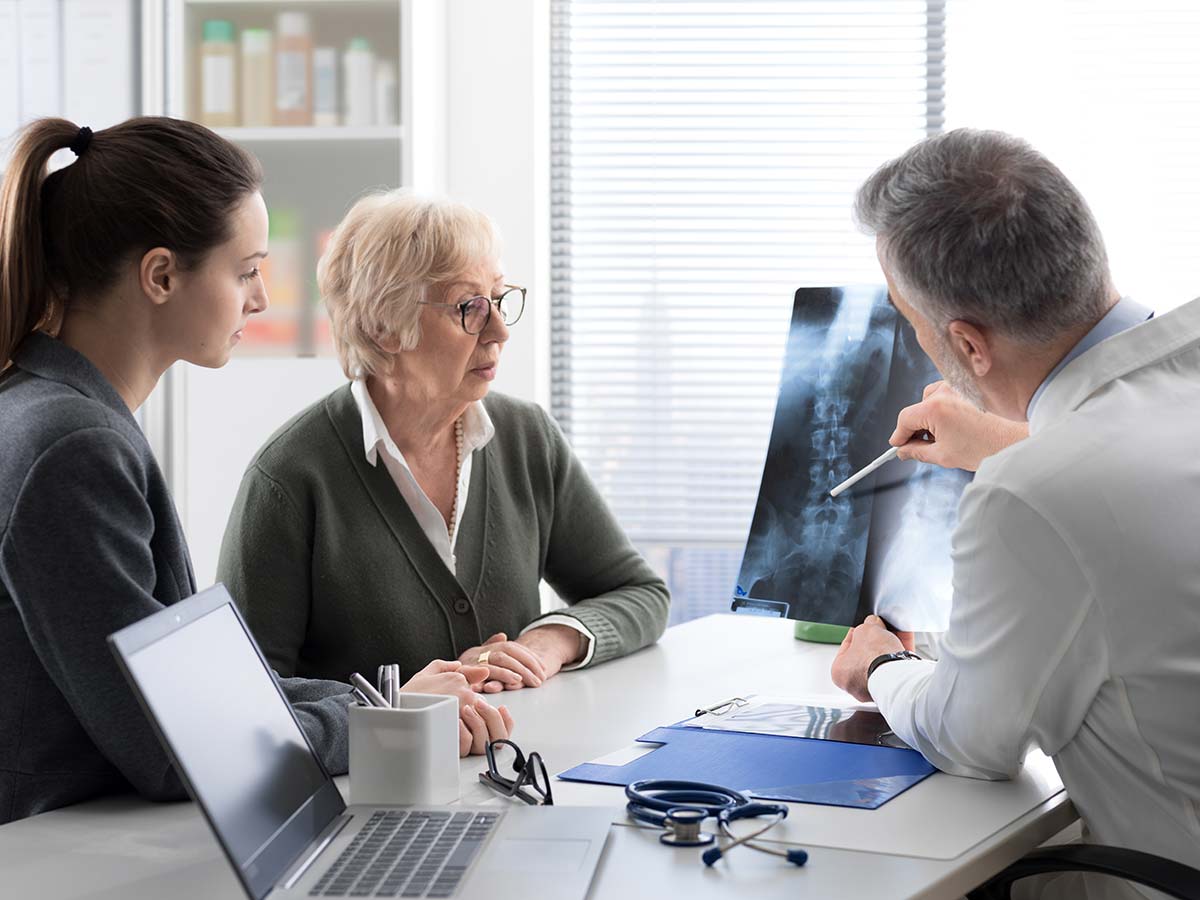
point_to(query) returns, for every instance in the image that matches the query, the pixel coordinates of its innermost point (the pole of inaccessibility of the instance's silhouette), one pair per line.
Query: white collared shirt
(477, 431)
(1124, 315)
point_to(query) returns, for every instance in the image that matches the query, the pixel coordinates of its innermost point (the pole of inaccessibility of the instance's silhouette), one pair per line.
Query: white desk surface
(938, 839)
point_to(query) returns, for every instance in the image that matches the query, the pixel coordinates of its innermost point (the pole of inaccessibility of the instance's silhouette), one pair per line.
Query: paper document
(41, 60)
(98, 80)
(828, 719)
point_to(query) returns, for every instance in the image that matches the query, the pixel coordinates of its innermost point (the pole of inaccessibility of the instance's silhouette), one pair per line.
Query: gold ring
(483, 658)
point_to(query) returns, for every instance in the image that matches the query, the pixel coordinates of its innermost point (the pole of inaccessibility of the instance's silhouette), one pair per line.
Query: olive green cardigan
(334, 575)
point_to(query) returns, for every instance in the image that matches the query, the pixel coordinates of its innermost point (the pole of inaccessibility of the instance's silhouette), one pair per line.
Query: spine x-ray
(883, 546)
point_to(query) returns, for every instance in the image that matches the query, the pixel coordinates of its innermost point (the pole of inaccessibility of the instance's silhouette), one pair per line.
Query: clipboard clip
(725, 706)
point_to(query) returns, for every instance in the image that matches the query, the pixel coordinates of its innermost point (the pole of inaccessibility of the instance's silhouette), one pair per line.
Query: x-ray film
(883, 546)
(788, 718)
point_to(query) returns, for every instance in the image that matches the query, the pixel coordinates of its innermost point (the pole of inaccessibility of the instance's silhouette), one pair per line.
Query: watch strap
(887, 658)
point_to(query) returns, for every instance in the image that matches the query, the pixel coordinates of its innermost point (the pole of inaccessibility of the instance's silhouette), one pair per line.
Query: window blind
(704, 159)
(1114, 100)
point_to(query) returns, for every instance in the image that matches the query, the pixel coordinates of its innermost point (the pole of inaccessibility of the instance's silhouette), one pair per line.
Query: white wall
(231, 412)
(497, 157)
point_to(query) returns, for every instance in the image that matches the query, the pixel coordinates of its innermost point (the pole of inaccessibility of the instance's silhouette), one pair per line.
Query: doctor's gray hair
(979, 226)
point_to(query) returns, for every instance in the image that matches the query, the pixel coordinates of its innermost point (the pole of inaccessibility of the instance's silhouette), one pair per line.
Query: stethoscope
(679, 808)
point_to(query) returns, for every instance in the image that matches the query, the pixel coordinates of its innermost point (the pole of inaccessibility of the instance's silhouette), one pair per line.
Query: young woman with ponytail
(142, 252)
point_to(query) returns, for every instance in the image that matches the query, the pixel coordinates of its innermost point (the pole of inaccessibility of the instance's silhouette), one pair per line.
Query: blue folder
(770, 766)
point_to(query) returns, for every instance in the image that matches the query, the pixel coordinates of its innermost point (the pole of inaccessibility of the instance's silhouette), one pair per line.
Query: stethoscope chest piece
(682, 824)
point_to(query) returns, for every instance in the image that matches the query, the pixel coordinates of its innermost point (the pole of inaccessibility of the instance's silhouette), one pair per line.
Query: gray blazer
(89, 543)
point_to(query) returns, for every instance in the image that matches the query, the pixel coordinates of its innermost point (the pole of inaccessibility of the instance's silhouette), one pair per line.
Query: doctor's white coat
(1076, 612)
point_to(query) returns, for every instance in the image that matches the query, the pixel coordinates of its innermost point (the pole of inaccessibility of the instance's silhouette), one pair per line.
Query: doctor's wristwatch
(887, 658)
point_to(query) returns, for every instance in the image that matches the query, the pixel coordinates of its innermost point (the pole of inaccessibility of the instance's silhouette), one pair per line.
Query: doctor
(1076, 572)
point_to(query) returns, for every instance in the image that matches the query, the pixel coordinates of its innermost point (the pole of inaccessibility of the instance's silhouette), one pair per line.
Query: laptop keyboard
(402, 853)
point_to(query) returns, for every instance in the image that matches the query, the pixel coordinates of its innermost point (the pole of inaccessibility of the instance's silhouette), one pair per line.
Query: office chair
(1172, 878)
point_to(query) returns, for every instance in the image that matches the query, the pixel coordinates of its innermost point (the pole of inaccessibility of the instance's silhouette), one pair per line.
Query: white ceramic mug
(407, 755)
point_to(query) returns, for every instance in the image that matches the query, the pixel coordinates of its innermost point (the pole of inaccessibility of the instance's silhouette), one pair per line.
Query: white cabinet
(208, 424)
(80, 59)
(271, 76)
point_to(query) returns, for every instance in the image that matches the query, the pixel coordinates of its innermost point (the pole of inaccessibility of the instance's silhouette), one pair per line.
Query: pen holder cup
(407, 755)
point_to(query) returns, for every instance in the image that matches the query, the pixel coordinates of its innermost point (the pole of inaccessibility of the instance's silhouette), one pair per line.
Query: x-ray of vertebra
(883, 546)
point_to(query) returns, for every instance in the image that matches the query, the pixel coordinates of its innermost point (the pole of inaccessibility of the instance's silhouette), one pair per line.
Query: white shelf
(314, 133)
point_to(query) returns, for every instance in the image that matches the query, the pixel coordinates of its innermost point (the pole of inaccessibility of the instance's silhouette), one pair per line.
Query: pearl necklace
(458, 459)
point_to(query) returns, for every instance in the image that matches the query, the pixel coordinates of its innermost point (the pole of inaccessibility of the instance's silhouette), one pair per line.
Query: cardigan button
(462, 607)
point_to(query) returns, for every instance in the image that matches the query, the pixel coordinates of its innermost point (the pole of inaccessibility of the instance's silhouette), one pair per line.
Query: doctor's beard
(957, 375)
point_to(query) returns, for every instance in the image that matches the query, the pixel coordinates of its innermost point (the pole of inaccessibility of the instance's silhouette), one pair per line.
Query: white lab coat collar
(1115, 358)
(477, 426)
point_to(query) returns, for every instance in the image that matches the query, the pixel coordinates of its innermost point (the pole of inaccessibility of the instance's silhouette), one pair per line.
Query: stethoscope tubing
(651, 801)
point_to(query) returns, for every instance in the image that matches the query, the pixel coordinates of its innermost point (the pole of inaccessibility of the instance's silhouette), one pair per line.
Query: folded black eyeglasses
(531, 784)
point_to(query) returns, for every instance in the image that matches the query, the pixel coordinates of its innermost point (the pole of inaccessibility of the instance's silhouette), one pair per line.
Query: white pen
(865, 471)
(387, 686)
(368, 690)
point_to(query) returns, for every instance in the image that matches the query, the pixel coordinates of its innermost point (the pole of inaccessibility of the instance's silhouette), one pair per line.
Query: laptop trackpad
(547, 852)
(541, 856)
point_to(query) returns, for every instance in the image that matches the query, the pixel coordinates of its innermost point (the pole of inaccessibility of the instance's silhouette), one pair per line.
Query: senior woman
(411, 514)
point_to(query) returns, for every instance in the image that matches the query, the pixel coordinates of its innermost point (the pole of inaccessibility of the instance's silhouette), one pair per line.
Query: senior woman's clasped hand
(528, 661)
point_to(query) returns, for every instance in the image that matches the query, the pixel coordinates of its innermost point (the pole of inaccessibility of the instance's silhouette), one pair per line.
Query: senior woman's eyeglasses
(476, 312)
(532, 783)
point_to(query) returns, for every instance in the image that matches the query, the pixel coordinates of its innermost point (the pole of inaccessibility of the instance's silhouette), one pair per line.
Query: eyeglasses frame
(523, 766)
(491, 302)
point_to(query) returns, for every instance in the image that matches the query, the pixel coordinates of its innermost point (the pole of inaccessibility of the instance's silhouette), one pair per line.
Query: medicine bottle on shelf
(258, 79)
(325, 87)
(293, 70)
(359, 63)
(387, 103)
(218, 75)
(279, 327)
(322, 330)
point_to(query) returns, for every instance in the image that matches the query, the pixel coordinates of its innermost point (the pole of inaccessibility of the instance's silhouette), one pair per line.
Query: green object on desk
(820, 633)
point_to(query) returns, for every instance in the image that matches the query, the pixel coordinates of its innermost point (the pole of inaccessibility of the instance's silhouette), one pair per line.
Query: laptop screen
(231, 732)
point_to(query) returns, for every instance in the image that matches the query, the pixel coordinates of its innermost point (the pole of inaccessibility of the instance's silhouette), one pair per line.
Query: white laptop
(279, 817)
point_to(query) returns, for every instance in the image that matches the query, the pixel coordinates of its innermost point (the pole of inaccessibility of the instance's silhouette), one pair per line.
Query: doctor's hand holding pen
(961, 435)
(478, 721)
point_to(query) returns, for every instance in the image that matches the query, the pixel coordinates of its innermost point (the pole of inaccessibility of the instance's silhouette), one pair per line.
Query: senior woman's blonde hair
(383, 258)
